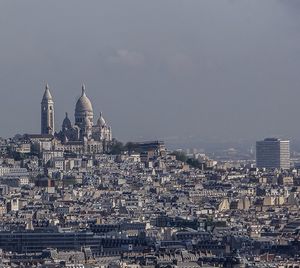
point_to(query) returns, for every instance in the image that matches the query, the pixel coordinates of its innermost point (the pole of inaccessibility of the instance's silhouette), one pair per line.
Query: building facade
(273, 153)
(81, 137)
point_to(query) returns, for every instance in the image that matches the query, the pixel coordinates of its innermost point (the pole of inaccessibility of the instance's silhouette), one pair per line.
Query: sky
(212, 70)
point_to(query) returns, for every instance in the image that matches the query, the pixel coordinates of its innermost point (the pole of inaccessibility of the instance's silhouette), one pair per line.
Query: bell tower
(47, 113)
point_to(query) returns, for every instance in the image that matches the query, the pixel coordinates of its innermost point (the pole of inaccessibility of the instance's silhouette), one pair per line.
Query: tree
(194, 163)
(180, 156)
(130, 147)
(116, 147)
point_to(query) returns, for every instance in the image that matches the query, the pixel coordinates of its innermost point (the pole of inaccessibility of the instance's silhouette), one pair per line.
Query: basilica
(81, 137)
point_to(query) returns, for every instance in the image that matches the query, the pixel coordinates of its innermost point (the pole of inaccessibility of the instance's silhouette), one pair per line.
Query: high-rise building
(273, 153)
(47, 113)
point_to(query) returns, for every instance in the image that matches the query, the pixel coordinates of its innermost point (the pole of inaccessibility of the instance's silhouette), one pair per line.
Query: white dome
(101, 122)
(83, 104)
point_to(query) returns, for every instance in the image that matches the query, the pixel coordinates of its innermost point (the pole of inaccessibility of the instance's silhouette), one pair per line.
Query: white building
(81, 137)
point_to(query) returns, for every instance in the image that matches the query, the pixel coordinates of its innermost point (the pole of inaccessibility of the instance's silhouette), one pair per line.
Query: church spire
(47, 113)
(47, 95)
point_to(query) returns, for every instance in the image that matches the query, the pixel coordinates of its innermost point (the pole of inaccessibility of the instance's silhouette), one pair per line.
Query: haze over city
(214, 70)
(149, 134)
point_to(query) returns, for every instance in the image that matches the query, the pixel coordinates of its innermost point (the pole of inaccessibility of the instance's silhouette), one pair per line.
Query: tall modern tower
(47, 113)
(273, 153)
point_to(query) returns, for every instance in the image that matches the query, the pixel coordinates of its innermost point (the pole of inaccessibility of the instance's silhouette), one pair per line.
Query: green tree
(116, 147)
(180, 156)
(130, 147)
(194, 163)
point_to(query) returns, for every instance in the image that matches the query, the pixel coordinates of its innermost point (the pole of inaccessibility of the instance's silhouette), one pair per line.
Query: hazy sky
(212, 69)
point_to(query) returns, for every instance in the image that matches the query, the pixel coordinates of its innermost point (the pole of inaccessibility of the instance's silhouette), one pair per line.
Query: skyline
(225, 71)
(174, 143)
(149, 134)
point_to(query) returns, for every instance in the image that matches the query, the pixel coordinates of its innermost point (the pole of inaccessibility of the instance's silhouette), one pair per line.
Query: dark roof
(38, 136)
